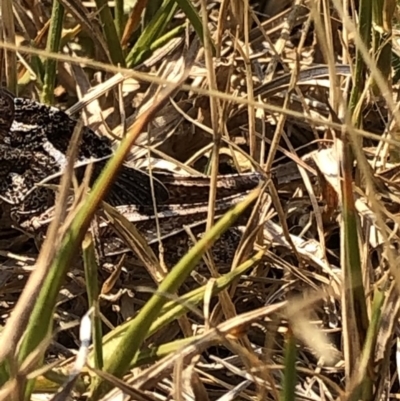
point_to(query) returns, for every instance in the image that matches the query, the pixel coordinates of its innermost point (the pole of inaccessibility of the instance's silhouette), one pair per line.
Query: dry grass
(307, 307)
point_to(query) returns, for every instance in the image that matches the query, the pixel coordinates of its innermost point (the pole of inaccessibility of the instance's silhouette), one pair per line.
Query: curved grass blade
(126, 350)
(42, 314)
(172, 310)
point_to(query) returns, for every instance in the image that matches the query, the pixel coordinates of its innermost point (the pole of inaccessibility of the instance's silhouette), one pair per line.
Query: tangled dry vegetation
(307, 307)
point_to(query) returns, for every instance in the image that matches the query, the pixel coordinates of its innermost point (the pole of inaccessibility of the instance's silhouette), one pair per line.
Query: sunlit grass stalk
(53, 46)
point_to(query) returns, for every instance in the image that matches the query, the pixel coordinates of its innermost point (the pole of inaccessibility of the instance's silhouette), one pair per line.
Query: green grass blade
(53, 46)
(289, 378)
(150, 11)
(355, 315)
(382, 14)
(195, 20)
(41, 318)
(120, 18)
(127, 348)
(367, 356)
(91, 272)
(172, 310)
(9, 58)
(154, 354)
(4, 372)
(365, 25)
(110, 33)
(151, 33)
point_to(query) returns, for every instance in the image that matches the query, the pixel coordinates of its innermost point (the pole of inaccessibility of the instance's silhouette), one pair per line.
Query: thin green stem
(53, 46)
(110, 33)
